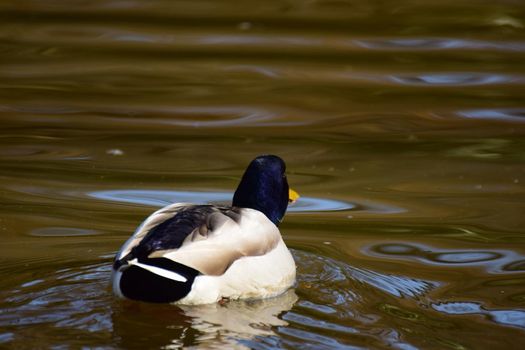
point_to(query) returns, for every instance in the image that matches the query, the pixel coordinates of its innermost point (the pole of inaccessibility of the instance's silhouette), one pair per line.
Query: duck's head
(264, 187)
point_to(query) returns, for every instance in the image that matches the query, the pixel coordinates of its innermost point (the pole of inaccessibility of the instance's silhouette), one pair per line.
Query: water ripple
(438, 44)
(518, 265)
(508, 114)
(509, 317)
(454, 79)
(219, 116)
(41, 152)
(316, 307)
(208, 117)
(162, 198)
(65, 303)
(493, 260)
(316, 323)
(62, 232)
(319, 270)
(314, 340)
(6, 337)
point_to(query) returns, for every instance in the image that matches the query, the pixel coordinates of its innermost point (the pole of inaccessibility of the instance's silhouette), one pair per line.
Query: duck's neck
(267, 195)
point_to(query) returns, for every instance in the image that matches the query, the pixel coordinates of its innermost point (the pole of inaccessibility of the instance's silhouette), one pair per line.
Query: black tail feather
(139, 284)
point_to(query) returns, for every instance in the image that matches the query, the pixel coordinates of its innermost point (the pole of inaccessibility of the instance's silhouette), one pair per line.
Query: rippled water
(402, 124)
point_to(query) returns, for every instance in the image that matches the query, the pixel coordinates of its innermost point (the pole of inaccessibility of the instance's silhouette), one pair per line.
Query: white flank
(251, 277)
(159, 271)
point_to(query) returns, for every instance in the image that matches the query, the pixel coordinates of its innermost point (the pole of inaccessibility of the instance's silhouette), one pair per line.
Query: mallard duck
(199, 254)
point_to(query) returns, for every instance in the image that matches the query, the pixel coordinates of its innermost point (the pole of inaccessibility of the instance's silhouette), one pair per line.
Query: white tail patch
(159, 271)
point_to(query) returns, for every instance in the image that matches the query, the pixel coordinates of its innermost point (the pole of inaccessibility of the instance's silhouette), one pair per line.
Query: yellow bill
(292, 196)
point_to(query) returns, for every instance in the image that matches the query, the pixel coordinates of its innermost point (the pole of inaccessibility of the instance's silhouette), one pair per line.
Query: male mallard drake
(198, 254)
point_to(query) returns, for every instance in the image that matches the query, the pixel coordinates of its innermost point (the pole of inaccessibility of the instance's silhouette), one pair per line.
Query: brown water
(402, 124)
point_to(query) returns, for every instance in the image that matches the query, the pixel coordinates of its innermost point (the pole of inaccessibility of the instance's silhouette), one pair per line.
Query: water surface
(402, 124)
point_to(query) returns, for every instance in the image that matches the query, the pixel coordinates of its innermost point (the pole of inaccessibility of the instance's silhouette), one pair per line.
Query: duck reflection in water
(176, 326)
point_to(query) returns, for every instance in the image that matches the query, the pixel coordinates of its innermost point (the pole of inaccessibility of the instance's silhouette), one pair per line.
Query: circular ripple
(161, 198)
(465, 257)
(397, 249)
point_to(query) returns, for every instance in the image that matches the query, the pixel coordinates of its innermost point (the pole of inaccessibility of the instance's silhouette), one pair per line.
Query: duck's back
(182, 243)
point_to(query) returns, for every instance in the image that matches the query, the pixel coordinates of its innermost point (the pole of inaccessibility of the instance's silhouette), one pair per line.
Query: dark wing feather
(171, 233)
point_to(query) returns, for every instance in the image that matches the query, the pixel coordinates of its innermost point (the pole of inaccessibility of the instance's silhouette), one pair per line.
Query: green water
(402, 124)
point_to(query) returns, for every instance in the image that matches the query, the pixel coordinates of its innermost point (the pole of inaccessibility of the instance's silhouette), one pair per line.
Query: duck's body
(197, 254)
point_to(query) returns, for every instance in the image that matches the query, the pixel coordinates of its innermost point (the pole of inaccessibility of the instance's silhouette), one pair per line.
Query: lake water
(402, 124)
